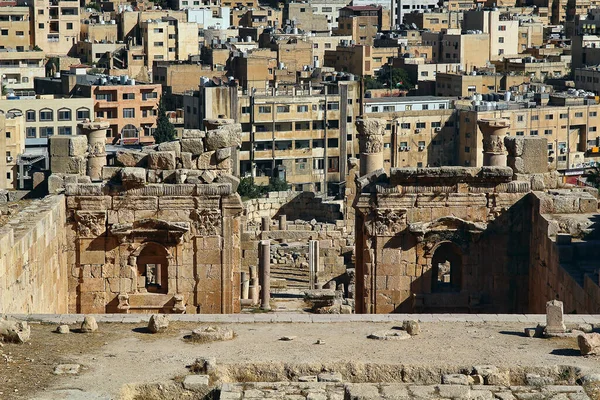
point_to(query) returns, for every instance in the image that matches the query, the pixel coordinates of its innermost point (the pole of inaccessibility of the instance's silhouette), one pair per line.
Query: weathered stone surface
(554, 318)
(361, 391)
(174, 146)
(412, 327)
(162, 160)
(224, 136)
(193, 134)
(89, 324)
(223, 154)
(228, 178)
(68, 165)
(589, 344)
(212, 333)
(63, 329)
(329, 377)
(455, 379)
(132, 177)
(196, 382)
(56, 184)
(389, 335)
(131, 158)
(208, 176)
(538, 380)
(193, 146)
(67, 369)
(158, 323)
(186, 160)
(14, 331)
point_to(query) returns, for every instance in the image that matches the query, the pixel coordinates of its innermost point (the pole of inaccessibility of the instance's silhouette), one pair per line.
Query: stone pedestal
(282, 222)
(265, 273)
(313, 262)
(494, 131)
(370, 140)
(96, 137)
(554, 318)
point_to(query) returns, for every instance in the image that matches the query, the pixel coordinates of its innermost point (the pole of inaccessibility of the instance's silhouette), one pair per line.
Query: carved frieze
(206, 222)
(390, 222)
(90, 223)
(493, 144)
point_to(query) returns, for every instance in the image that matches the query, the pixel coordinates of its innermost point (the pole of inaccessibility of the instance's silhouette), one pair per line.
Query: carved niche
(90, 223)
(389, 222)
(206, 222)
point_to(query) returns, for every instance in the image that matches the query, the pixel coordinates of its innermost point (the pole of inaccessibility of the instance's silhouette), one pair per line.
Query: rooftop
(407, 99)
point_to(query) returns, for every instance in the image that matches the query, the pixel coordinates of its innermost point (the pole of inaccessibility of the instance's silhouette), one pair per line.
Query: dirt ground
(118, 354)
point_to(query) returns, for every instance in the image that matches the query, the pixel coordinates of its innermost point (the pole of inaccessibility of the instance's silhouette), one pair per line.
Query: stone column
(494, 131)
(96, 136)
(313, 262)
(265, 272)
(255, 285)
(370, 141)
(265, 224)
(282, 222)
(245, 285)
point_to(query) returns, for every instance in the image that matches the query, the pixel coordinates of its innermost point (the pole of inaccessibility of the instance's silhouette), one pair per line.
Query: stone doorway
(446, 266)
(152, 269)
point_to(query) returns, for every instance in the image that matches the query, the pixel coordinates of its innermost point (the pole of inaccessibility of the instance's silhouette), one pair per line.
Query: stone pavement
(275, 317)
(372, 391)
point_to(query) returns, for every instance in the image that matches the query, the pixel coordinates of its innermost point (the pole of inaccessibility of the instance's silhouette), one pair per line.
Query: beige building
(169, 39)
(56, 25)
(18, 69)
(362, 23)
(503, 31)
(47, 115)
(435, 21)
(471, 50)
(99, 31)
(304, 18)
(15, 30)
(569, 125)
(421, 130)
(12, 143)
(536, 69)
(466, 85)
(359, 60)
(530, 35)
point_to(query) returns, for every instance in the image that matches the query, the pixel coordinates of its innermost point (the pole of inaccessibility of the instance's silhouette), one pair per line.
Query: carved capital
(493, 144)
(390, 222)
(90, 223)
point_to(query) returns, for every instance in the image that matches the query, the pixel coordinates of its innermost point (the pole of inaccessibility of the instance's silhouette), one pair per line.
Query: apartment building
(19, 69)
(567, 122)
(531, 35)
(56, 25)
(466, 85)
(100, 31)
(359, 60)
(168, 39)
(587, 78)
(330, 9)
(15, 31)
(362, 23)
(12, 143)
(421, 130)
(305, 132)
(403, 7)
(434, 21)
(536, 69)
(460, 5)
(301, 15)
(178, 76)
(205, 17)
(502, 29)
(48, 115)
(470, 50)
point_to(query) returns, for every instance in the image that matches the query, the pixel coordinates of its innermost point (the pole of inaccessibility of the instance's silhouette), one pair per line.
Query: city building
(56, 25)
(15, 28)
(18, 69)
(503, 31)
(362, 23)
(12, 143)
(358, 59)
(470, 50)
(434, 21)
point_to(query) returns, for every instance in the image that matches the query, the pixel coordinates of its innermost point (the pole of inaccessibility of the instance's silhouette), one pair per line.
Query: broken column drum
(370, 139)
(494, 131)
(96, 136)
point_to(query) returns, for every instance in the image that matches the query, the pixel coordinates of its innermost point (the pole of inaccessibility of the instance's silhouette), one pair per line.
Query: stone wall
(33, 256)
(561, 251)
(295, 205)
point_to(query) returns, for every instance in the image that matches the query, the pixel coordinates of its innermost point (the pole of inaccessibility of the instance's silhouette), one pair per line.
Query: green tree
(248, 190)
(592, 177)
(372, 83)
(165, 131)
(37, 48)
(399, 77)
(277, 185)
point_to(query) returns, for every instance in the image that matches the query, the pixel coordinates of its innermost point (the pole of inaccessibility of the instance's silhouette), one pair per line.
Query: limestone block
(207, 160)
(186, 161)
(158, 323)
(224, 136)
(193, 134)
(517, 164)
(208, 176)
(14, 331)
(89, 324)
(589, 343)
(170, 146)
(162, 160)
(228, 178)
(55, 184)
(133, 177)
(223, 154)
(68, 165)
(131, 158)
(109, 173)
(514, 145)
(566, 204)
(588, 204)
(193, 146)
(150, 149)
(554, 318)
(168, 176)
(135, 202)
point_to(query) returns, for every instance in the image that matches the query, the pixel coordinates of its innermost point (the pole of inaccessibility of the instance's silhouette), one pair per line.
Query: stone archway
(446, 268)
(152, 262)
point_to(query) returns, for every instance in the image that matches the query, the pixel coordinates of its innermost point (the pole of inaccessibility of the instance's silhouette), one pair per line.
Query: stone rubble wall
(33, 258)
(295, 205)
(548, 278)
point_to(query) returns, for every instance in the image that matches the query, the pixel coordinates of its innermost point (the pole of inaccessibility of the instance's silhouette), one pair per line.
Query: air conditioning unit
(418, 130)
(563, 150)
(421, 148)
(407, 148)
(550, 152)
(402, 148)
(9, 158)
(438, 129)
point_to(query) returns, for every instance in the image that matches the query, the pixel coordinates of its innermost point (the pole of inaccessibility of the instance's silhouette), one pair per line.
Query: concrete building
(531, 35)
(536, 69)
(466, 85)
(359, 60)
(403, 7)
(503, 31)
(47, 115)
(362, 23)
(301, 15)
(434, 21)
(567, 122)
(12, 143)
(178, 77)
(15, 30)
(471, 50)
(56, 25)
(330, 9)
(18, 69)
(101, 31)
(207, 17)
(168, 39)
(587, 78)
(421, 131)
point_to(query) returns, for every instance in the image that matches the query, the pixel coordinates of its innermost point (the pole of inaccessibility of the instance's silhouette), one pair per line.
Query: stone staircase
(295, 276)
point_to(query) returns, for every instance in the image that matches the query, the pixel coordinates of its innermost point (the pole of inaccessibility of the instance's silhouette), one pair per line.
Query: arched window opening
(446, 268)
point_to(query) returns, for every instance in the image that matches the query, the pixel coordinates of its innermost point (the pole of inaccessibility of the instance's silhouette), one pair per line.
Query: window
(535, 117)
(467, 149)
(502, 28)
(264, 109)
(520, 118)
(332, 142)
(405, 125)
(593, 113)
(333, 106)
(374, 109)
(99, 114)
(46, 115)
(389, 108)
(520, 133)
(302, 108)
(578, 114)
(64, 130)
(69, 25)
(41, 26)
(500, 52)
(4, 32)
(425, 106)
(563, 116)
(128, 96)
(283, 109)
(421, 125)
(245, 109)
(46, 131)
(424, 73)
(158, 30)
(549, 116)
(128, 113)
(442, 106)
(327, 45)
(83, 113)
(533, 133)
(104, 96)
(547, 131)
(19, 33)
(592, 129)
(158, 44)
(326, 9)
(8, 135)
(436, 124)
(500, 39)
(151, 95)
(64, 115)
(30, 116)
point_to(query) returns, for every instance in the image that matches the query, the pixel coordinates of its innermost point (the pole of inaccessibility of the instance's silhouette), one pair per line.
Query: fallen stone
(500, 378)
(475, 379)
(589, 343)
(128, 158)
(194, 146)
(484, 370)
(170, 146)
(204, 365)
(63, 329)
(319, 341)
(411, 327)
(158, 323)
(530, 332)
(14, 331)
(224, 136)
(389, 335)
(287, 338)
(67, 369)
(223, 154)
(307, 378)
(585, 328)
(196, 382)
(133, 177)
(538, 380)
(361, 391)
(162, 160)
(454, 391)
(455, 379)
(329, 377)
(212, 333)
(89, 324)
(225, 178)
(208, 176)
